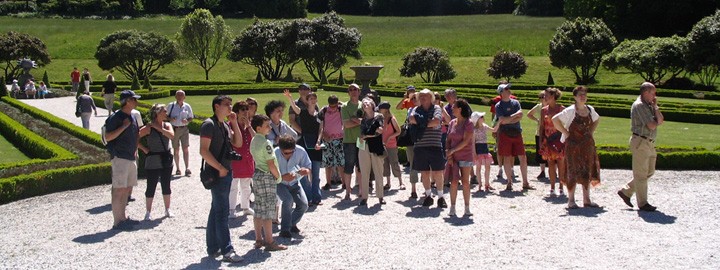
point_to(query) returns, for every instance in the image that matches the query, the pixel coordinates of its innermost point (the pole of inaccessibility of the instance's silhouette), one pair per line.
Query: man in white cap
(510, 141)
(122, 135)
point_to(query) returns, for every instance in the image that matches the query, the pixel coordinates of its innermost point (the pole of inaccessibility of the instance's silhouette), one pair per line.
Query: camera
(232, 155)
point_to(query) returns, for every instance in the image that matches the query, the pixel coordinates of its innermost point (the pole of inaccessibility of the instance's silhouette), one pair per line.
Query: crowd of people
(275, 164)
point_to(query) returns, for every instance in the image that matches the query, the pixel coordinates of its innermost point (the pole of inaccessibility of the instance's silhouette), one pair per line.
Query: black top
(310, 125)
(109, 87)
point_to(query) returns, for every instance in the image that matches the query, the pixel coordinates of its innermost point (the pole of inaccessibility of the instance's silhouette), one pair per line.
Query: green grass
(611, 130)
(9, 152)
(470, 40)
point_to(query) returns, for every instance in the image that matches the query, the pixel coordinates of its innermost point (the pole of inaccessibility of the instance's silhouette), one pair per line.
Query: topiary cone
(258, 78)
(146, 83)
(3, 90)
(135, 84)
(550, 80)
(46, 80)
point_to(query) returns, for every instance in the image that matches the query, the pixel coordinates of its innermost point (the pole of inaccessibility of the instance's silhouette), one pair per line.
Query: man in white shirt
(180, 114)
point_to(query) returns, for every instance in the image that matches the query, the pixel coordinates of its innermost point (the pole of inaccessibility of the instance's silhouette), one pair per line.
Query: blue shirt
(125, 145)
(298, 160)
(506, 109)
(278, 130)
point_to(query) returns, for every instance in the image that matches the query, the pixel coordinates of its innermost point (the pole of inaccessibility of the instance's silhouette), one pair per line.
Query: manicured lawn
(611, 130)
(9, 152)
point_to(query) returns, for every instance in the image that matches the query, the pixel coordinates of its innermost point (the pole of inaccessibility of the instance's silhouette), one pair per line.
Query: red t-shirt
(75, 75)
(244, 168)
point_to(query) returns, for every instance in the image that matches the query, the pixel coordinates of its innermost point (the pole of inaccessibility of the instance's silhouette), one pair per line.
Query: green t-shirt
(349, 110)
(262, 151)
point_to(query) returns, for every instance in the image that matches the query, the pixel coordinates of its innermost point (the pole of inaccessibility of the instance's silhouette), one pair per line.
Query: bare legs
(478, 169)
(465, 178)
(556, 168)
(119, 199)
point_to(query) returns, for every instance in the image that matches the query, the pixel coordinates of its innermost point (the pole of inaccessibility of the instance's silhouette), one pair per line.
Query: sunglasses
(287, 153)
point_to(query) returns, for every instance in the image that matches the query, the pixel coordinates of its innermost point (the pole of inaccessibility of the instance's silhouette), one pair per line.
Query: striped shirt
(431, 136)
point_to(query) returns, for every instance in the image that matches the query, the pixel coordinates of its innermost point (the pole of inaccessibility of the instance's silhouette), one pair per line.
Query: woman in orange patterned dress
(577, 124)
(551, 149)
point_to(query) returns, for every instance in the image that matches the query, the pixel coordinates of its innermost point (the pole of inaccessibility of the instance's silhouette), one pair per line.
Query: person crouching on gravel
(265, 180)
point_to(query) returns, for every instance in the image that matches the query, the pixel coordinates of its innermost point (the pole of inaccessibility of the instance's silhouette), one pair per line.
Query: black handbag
(208, 175)
(404, 139)
(166, 158)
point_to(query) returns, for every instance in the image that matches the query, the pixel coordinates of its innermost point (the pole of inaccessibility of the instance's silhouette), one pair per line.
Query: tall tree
(14, 46)
(269, 46)
(325, 44)
(703, 54)
(579, 45)
(135, 53)
(204, 38)
(432, 64)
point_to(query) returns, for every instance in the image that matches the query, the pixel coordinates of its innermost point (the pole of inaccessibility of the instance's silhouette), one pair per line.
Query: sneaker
(382, 201)
(647, 208)
(274, 247)
(413, 195)
(147, 216)
(232, 257)
(541, 175)
(428, 201)
(294, 229)
(249, 212)
(441, 203)
(467, 212)
(552, 193)
(452, 211)
(169, 214)
(561, 192)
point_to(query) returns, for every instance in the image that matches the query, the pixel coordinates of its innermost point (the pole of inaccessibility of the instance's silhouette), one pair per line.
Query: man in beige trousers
(645, 117)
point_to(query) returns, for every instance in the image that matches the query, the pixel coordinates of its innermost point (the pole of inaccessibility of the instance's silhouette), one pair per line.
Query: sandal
(591, 205)
(573, 206)
(178, 172)
(258, 244)
(402, 187)
(488, 188)
(274, 246)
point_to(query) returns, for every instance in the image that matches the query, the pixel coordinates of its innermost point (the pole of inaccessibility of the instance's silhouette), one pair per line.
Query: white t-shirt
(179, 113)
(567, 115)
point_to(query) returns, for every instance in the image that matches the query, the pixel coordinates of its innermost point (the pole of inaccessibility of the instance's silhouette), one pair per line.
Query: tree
(432, 64)
(325, 44)
(652, 58)
(507, 64)
(269, 46)
(15, 46)
(204, 38)
(579, 45)
(703, 55)
(135, 53)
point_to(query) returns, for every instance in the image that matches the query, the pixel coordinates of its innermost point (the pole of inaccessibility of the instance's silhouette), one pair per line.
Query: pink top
(481, 133)
(332, 124)
(244, 168)
(455, 136)
(388, 130)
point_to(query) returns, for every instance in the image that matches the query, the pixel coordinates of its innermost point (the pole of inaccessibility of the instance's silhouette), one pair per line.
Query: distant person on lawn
(75, 79)
(87, 106)
(180, 114)
(108, 91)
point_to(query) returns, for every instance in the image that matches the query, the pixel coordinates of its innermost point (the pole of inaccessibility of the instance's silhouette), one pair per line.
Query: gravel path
(71, 230)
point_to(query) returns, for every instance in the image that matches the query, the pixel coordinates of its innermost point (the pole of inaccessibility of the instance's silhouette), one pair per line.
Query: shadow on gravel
(205, 263)
(367, 211)
(99, 237)
(459, 221)
(423, 212)
(585, 212)
(344, 204)
(656, 217)
(237, 222)
(99, 209)
(511, 193)
(555, 199)
(479, 194)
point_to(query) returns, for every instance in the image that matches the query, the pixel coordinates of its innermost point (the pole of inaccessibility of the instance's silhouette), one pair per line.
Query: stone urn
(366, 74)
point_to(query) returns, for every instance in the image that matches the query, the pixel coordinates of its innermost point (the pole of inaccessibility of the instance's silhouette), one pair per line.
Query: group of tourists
(30, 90)
(276, 164)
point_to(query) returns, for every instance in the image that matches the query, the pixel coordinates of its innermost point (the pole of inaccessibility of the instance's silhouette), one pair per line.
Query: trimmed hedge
(36, 147)
(45, 182)
(62, 124)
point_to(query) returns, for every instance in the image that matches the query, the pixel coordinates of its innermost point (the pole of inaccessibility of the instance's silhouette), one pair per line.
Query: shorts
(510, 146)
(350, 151)
(429, 159)
(182, 135)
(452, 171)
(124, 173)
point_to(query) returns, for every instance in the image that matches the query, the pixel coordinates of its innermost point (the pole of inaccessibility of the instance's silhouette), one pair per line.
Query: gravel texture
(71, 230)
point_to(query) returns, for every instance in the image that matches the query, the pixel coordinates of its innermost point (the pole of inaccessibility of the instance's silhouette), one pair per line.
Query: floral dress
(550, 146)
(583, 164)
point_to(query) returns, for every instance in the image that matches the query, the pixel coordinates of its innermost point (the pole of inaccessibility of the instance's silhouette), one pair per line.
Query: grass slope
(10, 153)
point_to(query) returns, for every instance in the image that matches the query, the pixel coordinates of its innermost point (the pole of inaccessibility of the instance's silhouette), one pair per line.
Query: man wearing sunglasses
(294, 166)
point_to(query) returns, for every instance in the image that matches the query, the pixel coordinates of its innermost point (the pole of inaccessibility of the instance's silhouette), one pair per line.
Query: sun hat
(475, 116)
(304, 86)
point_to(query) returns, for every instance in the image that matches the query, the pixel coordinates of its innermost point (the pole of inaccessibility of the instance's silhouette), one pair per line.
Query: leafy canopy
(15, 46)
(579, 45)
(703, 56)
(269, 46)
(652, 58)
(204, 38)
(432, 64)
(135, 53)
(507, 65)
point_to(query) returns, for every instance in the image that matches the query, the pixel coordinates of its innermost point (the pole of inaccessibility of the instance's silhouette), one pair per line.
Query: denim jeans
(288, 195)
(312, 188)
(217, 233)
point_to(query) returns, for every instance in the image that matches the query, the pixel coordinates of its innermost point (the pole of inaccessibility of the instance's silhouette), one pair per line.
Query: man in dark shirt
(122, 136)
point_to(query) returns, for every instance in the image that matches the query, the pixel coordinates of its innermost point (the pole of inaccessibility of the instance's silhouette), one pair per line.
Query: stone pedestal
(366, 74)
